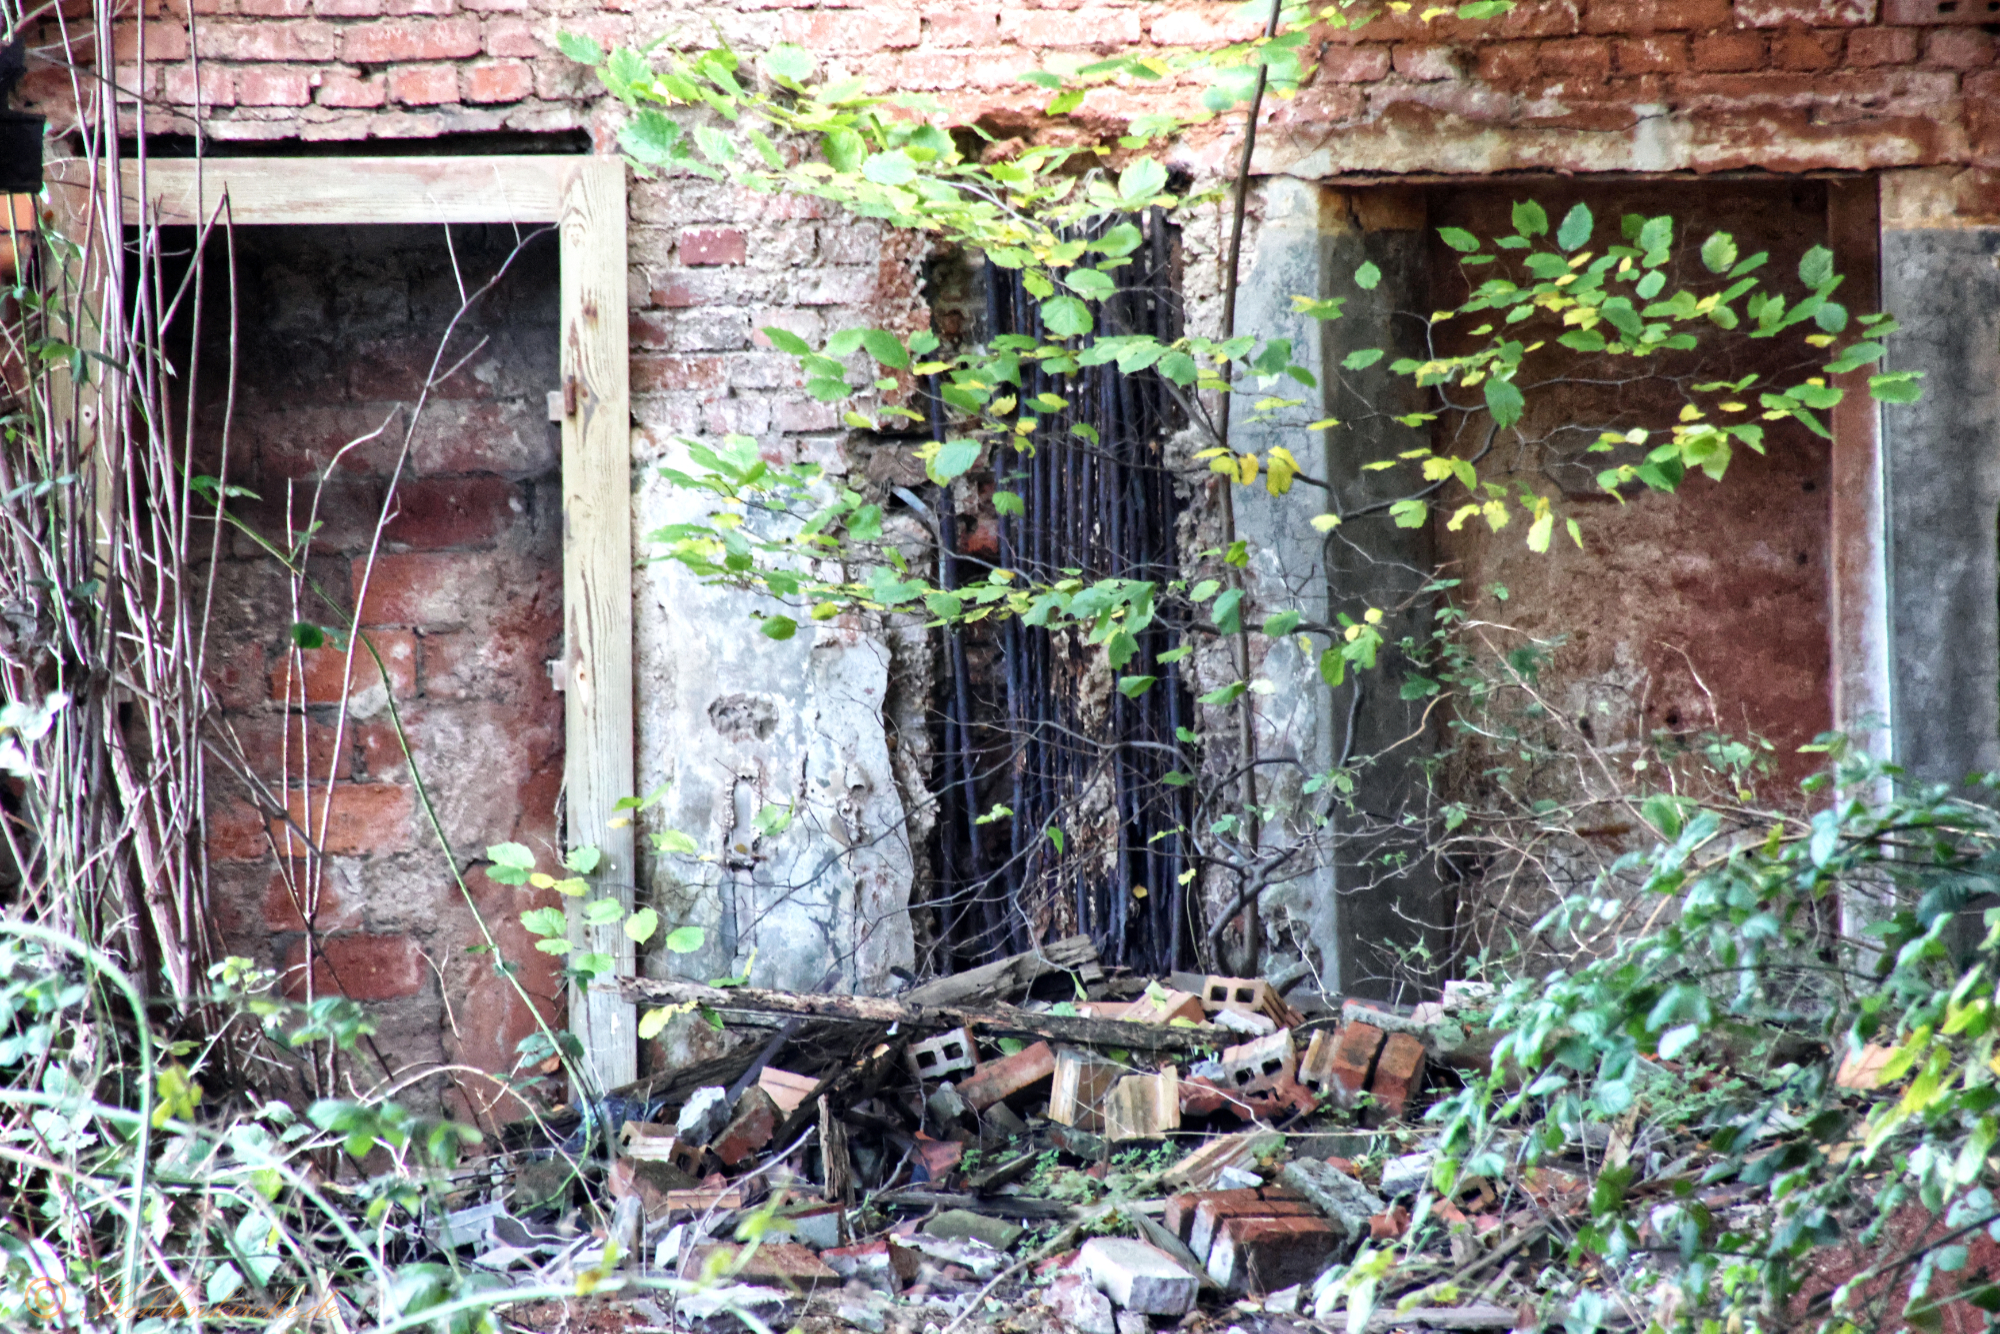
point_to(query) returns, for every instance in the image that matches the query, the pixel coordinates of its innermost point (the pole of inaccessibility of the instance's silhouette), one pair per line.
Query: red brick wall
(463, 603)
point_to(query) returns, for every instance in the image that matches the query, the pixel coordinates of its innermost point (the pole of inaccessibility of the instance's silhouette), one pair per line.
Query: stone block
(1008, 1076)
(1399, 1073)
(1255, 1256)
(1075, 1301)
(1408, 1174)
(964, 1224)
(1138, 1277)
(1344, 1200)
(944, 1056)
(703, 1115)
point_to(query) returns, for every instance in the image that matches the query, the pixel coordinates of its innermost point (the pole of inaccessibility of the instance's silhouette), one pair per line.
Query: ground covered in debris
(1187, 1152)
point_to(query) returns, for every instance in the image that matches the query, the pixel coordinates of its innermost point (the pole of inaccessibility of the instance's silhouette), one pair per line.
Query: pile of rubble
(1117, 1153)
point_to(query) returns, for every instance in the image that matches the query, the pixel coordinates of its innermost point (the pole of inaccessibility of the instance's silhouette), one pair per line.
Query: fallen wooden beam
(928, 1018)
(1007, 977)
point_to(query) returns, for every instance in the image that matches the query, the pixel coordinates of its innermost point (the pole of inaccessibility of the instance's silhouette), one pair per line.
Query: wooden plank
(993, 980)
(927, 1018)
(345, 191)
(597, 590)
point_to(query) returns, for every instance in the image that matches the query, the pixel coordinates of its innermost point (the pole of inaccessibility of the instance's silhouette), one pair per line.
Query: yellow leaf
(1691, 413)
(1324, 423)
(542, 880)
(1246, 469)
(1325, 523)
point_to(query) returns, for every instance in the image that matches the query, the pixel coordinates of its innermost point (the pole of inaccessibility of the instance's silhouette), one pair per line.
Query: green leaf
(1718, 252)
(641, 925)
(1280, 624)
(1228, 611)
(545, 922)
(307, 635)
(673, 840)
(603, 912)
(1896, 387)
(1056, 837)
(652, 136)
(954, 458)
(512, 863)
(1066, 317)
(886, 348)
(789, 62)
(686, 939)
(1656, 236)
(779, 627)
(1368, 277)
(894, 167)
(1141, 181)
(1131, 687)
(787, 342)
(581, 49)
(1361, 359)
(1576, 228)
(845, 149)
(1816, 267)
(1066, 101)
(714, 145)
(1120, 241)
(1008, 502)
(1504, 401)
(1459, 239)
(583, 860)
(1530, 219)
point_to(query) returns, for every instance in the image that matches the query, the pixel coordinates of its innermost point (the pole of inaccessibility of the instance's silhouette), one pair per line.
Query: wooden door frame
(584, 197)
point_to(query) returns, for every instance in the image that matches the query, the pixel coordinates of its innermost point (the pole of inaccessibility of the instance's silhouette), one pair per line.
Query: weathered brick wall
(339, 330)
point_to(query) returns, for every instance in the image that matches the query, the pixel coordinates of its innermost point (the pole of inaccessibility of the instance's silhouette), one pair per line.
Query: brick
(498, 81)
(1354, 1057)
(1008, 1076)
(513, 37)
(1809, 13)
(1958, 48)
(750, 1127)
(423, 85)
(1071, 28)
(316, 674)
(1506, 64)
(351, 9)
(658, 374)
(1667, 54)
(238, 676)
(236, 833)
(1399, 1073)
(1576, 57)
(784, 1263)
(308, 40)
(1138, 1277)
(855, 31)
(435, 512)
(360, 819)
(954, 25)
(165, 42)
(707, 246)
(360, 967)
(332, 910)
(1206, 27)
(786, 1089)
(1638, 18)
(1219, 1207)
(425, 588)
(337, 88)
(1805, 49)
(1355, 64)
(1178, 1217)
(217, 86)
(1424, 64)
(1165, 1008)
(273, 86)
(271, 9)
(1262, 1255)
(395, 40)
(1882, 46)
(1728, 52)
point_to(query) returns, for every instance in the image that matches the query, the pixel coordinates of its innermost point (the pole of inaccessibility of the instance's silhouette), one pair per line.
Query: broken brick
(1261, 1255)
(1008, 1076)
(1354, 1057)
(749, 1129)
(1399, 1072)
(1213, 1212)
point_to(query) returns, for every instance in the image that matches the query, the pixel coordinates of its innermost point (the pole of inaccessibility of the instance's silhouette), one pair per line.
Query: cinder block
(1007, 1076)
(1260, 1255)
(1138, 1277)
(944, 1056)
(1263, 1064)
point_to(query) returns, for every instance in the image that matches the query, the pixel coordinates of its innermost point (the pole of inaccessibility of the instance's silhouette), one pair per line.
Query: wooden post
(597, 592)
